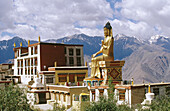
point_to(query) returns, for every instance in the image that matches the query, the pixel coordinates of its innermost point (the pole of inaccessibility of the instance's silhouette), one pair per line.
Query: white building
(38, 57)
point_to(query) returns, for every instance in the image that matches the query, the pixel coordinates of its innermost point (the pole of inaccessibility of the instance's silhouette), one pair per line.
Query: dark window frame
(71, 61)
(71, 51)
(78, 52)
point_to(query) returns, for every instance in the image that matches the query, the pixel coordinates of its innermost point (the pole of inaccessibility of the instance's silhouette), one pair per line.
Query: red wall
(49, 53)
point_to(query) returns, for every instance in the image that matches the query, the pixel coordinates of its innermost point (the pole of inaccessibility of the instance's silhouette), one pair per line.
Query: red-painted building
(38, 57)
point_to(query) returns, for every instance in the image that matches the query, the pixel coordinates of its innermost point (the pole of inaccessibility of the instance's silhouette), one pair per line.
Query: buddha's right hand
(94, 55)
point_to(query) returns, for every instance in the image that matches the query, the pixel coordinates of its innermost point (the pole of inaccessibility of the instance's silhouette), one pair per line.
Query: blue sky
(58, 18)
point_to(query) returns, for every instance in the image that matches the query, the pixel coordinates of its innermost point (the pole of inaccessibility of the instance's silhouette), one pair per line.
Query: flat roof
(69, 87)
(7, 64)
(142, 85)
(46, 43)
(5, 81)
(69, 68)
(47, 72)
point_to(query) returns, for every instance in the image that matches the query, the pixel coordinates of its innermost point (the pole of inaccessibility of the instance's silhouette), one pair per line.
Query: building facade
(66, 75)
(5, 70)
(64, 95)
(135, 94)
(29, 61)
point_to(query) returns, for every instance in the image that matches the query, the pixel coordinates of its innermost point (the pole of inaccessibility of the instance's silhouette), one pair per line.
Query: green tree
(161, 103)
(13, 98)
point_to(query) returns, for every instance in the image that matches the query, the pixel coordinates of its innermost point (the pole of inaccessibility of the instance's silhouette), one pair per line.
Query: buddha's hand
(94, 55)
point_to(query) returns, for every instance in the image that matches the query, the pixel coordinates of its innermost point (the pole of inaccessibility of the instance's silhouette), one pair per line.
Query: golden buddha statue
(106, 49)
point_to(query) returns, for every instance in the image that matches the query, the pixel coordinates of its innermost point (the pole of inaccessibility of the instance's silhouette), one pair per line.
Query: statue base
(110, 71)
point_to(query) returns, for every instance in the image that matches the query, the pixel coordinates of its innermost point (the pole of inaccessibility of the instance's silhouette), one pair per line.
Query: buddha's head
(107, 30)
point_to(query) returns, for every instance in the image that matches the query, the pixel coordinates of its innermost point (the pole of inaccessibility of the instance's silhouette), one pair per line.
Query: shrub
(13, 98)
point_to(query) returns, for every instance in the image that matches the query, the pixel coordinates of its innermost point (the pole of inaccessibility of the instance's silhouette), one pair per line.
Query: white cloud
(5, 12)
(129, 28)
(57, 18)
(148, 16)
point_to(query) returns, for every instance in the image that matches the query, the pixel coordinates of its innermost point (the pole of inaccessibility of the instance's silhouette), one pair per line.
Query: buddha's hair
(108, 26)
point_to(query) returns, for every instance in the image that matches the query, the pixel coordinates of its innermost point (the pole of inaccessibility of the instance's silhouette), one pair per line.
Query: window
(31, 70)
(76, 97)
(62, 79)
(78, 61)
(78, 52)
(49, 80)
(72, 78)
(18, 71)
(32, 61)
(66, 60)
(21, 71)
(28, 71)
(71, 61)
(25, 71)
(28, 62)
(18, 63)
(31, 50)
(71, 51)
(21, 63)
(101, 92)
(84, 98)
(36, 70)
(35, 61)
(156, 91)
(80, 78)
(16, 54)
(121, 94)
(35, 49)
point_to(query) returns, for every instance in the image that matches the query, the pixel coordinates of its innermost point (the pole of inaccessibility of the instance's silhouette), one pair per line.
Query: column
(91, 96)
(75, 56)
(97, 94)
(68, 78)
(82, 57)
(30, 66)
(127, 96)
(130, 98)
(20, 67)
(24, 67)
(33, 66)
(56, 78)
(55, 96)
(75, 78)
(105, 93)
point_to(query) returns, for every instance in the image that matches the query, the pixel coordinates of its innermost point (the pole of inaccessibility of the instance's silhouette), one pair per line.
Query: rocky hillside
(147, 61)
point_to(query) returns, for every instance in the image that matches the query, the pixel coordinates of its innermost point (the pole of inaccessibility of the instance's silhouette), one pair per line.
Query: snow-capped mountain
(161, 41)
(6, 48)
(143, 59)
(158, 38)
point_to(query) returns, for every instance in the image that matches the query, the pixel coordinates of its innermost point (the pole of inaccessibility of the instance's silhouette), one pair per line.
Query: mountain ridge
(143, 59)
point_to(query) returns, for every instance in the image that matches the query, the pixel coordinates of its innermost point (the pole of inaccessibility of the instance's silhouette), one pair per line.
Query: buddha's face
(106, 32)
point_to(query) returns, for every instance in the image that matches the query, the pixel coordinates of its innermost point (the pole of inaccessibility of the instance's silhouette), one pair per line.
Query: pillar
(67, 77)
(56, 78)
(75, 77)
